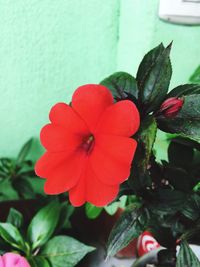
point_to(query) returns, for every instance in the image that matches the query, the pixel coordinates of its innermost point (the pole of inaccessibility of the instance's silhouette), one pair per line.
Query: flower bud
(171, 106)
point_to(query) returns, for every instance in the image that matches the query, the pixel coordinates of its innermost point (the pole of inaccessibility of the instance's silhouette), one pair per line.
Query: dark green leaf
(129, 226)
(167, 201)
(153, 77)
(11, 235)
(24, 151)
(15, 218)
(186, 257)
(186, 89)
(187, 121)
(92, 211)
(178, 178)
(64, 251)
(145, 138)
(195, 78)
(65, 214)
(147, 62)
(43, 224)
(192, 207)
(122, 85)
(24, 188)
(180, 155)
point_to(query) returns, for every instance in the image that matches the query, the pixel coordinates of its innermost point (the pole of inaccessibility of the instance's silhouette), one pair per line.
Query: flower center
(88, 143)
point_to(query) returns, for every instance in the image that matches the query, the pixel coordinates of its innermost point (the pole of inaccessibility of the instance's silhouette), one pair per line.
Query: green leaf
(187, 121)
(65, 214)
(183, 90)
(129, 226)
(64, 251)
(180, 155)
(153, 77)
(43, 224)
(11, 235)
(178, 178)
(145, 138)
(24, 151)
(24, 188)
(39, 261)
(15, 218)
(195, 78)
(191, 207)
(92, 211)
(122, 85)
(186, 257)
(7, 191)
(112, 208)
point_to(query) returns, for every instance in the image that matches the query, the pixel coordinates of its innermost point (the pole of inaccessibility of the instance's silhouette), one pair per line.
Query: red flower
(171, 106)
(89, 152)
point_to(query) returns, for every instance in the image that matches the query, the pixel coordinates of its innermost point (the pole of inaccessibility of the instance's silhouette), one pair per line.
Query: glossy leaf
(122, 85)
(153, 77)
(64, 251)
(130, 225)
(15, 218)
(186, 257)
(183, 90)
(191, 207)
(12, 236)
(187, 121)
(43, 224)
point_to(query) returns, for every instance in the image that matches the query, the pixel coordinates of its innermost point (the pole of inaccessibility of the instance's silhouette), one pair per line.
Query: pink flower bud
(171, 106)
(13, 260)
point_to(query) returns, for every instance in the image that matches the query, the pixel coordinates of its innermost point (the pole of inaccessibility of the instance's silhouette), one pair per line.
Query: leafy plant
(40, 243)
(16, 176)
(168, 191)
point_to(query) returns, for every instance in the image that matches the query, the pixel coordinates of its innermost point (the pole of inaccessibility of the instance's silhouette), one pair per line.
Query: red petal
(91, 189)
(61, 170)
(77, 195)
(122, 119)
(90, 101)
(111, 158)
(98, 193)
(57, 138)
(62, 114)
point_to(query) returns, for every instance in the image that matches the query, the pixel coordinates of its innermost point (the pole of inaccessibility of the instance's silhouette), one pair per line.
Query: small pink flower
(13, 260)
(171, 106)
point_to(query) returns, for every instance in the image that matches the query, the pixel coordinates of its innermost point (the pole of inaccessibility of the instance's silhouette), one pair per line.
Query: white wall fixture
(180, 11)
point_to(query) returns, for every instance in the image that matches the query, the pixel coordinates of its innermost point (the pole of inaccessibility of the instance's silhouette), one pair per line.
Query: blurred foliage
(42, 242)
(17, 177)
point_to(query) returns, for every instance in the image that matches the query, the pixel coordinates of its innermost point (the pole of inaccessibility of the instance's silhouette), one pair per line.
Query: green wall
(50, 47)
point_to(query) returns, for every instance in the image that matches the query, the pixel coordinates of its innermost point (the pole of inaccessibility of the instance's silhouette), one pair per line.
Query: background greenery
(48, 48)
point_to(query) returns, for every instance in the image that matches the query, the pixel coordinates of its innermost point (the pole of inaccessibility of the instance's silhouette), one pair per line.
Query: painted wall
(49, 47)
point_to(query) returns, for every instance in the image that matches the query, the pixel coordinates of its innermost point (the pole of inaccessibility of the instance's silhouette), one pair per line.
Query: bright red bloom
(89, 152)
